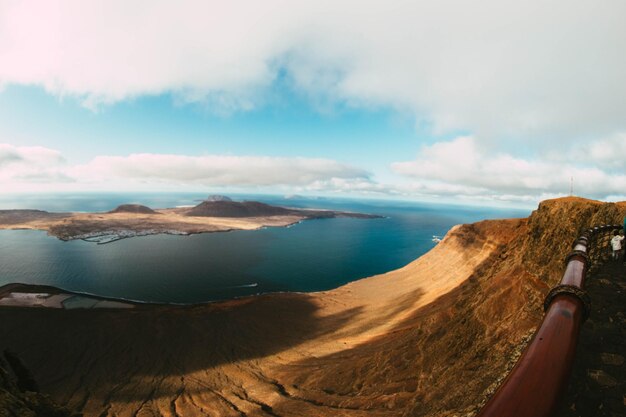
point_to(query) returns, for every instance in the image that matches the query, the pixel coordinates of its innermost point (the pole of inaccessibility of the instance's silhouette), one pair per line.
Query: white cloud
(607, 153)
(468, 169)
(215, 170)
(490, 67)
(459, 170)
(38, 168)
(358, 186)
(21, 165)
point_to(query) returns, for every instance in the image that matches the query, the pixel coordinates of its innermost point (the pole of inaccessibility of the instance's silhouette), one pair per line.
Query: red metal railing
(536, 384)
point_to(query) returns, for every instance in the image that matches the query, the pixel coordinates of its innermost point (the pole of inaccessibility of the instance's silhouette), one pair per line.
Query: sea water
(310, 256)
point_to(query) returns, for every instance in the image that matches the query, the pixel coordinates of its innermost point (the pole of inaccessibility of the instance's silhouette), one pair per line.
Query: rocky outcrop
(554, 226)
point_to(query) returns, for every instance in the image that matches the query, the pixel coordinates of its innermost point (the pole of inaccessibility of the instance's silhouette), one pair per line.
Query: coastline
(279, 348)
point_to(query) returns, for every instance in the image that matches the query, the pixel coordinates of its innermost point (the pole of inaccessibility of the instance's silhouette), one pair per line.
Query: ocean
(313, 255)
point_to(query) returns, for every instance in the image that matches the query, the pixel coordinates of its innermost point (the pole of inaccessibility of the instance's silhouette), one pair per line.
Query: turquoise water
(310, 256)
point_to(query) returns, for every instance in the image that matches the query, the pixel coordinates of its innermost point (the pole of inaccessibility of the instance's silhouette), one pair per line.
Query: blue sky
(415, 101)
(157, 124)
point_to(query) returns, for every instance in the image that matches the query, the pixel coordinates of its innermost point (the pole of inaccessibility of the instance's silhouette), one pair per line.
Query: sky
(483, 102)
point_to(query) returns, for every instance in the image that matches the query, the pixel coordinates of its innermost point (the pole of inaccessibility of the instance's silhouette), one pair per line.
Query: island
(215, 214)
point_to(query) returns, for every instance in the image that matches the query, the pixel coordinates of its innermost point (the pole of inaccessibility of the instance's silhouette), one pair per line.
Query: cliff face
(432, 338)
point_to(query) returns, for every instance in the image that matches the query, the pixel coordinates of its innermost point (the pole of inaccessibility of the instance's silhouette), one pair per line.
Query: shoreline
(34, 288)
(7, 290)
(19, 287)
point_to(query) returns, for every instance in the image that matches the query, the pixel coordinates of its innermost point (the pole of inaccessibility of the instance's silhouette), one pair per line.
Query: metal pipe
(540, 376)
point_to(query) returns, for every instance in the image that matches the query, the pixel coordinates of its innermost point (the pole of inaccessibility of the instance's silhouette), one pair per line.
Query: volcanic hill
(225, 207)
(433, 338)
(229, 208)
(133, 208)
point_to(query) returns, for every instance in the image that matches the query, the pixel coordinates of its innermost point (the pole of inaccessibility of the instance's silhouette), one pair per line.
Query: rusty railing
(536, 384)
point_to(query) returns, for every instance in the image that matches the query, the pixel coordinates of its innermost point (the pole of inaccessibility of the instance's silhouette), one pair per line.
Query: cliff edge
(432, 338)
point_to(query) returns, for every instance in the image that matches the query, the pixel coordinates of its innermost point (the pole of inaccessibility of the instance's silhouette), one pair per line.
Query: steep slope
(432, 338)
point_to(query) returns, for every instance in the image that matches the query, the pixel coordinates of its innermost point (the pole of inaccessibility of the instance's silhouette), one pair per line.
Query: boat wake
(254, 284)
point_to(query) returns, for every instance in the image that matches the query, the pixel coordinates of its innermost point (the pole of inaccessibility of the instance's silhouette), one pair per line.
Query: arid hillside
(431, 339)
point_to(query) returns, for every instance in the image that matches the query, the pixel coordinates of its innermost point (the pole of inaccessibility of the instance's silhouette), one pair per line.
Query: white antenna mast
(571, 186)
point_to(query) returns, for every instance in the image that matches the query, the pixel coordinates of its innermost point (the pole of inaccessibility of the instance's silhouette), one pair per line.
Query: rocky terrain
(434, 338)
(130, 220)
